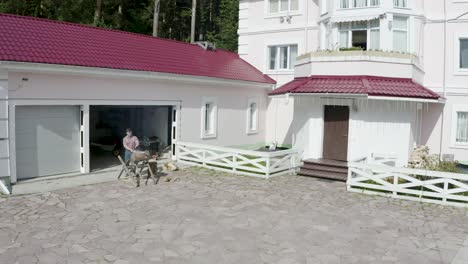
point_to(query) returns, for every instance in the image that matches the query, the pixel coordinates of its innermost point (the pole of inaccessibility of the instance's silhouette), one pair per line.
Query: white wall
(258, 30)
(86, 90)
(376, 126)
(4, 148)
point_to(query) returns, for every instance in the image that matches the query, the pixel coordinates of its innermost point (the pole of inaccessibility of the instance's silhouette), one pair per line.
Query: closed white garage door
(47, 140)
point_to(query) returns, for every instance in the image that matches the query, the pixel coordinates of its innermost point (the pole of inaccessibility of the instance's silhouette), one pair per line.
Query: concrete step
(323, 174)
(327, 162)
(321, 167)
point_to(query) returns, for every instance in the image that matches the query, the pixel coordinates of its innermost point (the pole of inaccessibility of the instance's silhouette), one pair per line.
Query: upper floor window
(400, 34)
(358, 3)
(362, 34)
(277, 6)
(282, 57)
(400, 3)
(464, 53)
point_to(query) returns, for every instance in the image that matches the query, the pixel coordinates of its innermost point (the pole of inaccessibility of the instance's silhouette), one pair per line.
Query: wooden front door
(335, 133)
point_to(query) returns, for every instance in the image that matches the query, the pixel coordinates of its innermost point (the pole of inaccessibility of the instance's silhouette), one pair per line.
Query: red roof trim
(357, 84)
(37, 40)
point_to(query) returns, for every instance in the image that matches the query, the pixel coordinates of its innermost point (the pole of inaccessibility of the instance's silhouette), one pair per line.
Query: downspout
(444, 86)
(306, 31)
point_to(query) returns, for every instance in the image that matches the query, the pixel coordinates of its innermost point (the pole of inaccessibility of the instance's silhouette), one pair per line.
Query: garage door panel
(47, 140)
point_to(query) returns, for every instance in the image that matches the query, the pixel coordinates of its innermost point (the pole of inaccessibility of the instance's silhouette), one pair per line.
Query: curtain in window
(462, 127)
(359, 3)
(253, 117)
(292, 56)
(284, 57)
(294, 5)
(464, 53)
(400, 41)
(209, 118)
(400, 23)
(274, 4)
(399, 3)
(374, 2)
(284, 6)
(343, 39)
(374, 39)
(273, 58)
(344, 3)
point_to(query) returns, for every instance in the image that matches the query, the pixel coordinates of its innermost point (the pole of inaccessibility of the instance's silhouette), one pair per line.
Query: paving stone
(209, 217)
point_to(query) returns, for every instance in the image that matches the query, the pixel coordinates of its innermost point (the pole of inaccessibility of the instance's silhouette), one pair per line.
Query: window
(464, 53)
(462, 128)
(400, 3)
(365, 35)
(252, 116)
(277, 6)
(400, 34)
(209, 118)
(282, 57)
(358, 3)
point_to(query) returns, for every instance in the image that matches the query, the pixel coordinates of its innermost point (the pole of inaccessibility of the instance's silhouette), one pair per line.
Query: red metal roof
(27, 39)
(366, 85)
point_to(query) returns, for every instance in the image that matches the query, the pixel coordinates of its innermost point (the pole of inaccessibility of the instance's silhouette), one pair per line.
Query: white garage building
(68, 91)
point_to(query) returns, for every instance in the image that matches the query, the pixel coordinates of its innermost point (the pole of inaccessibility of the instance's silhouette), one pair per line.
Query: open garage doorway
(107, 124)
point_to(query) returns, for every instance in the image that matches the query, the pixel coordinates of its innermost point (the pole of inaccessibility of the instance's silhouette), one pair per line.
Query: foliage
(351, 49)
(432, 162)
(216, 19)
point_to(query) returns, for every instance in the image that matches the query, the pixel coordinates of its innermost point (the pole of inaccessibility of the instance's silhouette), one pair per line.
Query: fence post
(394, 187)
(444, 198)
(204, 158)
(234, 162)
(267, 167)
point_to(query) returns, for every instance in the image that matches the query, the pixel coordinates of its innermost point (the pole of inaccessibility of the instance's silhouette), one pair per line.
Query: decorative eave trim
(119, 73)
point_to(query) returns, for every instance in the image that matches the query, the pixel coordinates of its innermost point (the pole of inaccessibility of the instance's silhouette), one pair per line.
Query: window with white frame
(252, 116)
(464, 53)
(400, 3)
(462, 128)
(363, 34)
(282, 57)
(279, 6)
(358, 3)
(209, 117)
(400, 34)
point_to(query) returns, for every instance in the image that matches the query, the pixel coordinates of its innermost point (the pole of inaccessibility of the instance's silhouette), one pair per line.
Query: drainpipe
(444, 86)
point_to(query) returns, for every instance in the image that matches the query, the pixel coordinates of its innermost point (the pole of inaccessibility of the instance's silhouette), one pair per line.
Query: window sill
(282, 14)
(285, 72)
(356, 8)
(459, 146)
(208, 136)
(252, 132)
(461, 71)
(402, 8)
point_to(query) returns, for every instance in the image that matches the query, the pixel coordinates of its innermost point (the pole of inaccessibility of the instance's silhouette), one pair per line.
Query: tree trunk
(156, 18)
(192, 28)
(97, 12)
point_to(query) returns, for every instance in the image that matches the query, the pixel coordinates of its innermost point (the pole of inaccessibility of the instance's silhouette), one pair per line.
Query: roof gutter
(371, 97)
(124, 74)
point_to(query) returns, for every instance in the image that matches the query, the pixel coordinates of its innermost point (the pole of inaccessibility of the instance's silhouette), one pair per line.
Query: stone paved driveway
(207, 217)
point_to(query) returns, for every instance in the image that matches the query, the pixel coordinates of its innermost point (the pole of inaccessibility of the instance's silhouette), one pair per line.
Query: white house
(399, 68)
(68, 91)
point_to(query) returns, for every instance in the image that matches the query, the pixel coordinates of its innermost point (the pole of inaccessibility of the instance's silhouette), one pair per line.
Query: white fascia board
(119, 73)
(408, 99)
(335, 95)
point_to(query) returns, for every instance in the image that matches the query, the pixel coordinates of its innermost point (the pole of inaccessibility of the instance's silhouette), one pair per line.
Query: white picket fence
(239, 161)
(410, 184)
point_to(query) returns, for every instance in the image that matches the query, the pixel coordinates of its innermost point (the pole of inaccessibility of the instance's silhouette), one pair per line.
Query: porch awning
(343, 19)
(371, 86)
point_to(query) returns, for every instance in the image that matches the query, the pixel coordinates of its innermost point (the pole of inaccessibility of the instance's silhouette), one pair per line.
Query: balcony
(359, 62)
